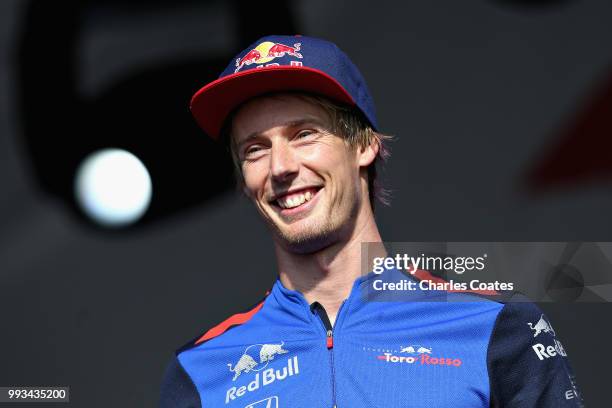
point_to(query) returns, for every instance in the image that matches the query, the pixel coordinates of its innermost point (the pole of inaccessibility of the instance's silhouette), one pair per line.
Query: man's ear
(368, 154)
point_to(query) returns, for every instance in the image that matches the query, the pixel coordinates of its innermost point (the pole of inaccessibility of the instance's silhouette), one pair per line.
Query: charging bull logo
(268, 351)
(245, 364)
(266, 52)
(542, 326)
(256, 358)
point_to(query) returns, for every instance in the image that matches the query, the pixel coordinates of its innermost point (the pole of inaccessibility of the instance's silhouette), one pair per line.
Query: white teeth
(294, 200)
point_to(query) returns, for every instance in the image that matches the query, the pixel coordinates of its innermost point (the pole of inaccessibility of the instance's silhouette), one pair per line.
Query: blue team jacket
(419, 348)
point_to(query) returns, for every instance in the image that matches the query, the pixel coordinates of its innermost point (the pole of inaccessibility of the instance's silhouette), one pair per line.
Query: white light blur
(113, 187)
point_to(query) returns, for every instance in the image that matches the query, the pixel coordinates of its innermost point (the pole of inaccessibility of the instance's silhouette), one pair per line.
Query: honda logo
(270, 402)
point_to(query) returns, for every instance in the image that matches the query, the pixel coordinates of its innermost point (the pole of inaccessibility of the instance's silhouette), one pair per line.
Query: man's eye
(252, 152)
(252, 149)
(303, 134)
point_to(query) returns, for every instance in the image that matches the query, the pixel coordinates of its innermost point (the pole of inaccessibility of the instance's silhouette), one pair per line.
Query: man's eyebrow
(289, 124)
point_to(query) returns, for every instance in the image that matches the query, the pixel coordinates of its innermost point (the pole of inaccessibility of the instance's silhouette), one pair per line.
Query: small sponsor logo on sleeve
(542, 350)
(542, 326)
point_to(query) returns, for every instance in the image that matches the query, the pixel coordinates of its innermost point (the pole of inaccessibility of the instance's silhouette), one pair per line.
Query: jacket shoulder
(233, 321)
(527, 363)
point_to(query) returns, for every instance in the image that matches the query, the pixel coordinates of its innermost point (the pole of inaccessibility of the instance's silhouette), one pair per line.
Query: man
(301, 126)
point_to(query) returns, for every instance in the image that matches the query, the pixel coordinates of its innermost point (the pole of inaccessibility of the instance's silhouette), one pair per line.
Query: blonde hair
(347, 122)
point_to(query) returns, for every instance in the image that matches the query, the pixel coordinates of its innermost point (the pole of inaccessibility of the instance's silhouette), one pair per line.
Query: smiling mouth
(296, 198)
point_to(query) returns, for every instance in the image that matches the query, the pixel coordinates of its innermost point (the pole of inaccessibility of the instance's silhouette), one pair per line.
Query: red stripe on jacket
(239, 318)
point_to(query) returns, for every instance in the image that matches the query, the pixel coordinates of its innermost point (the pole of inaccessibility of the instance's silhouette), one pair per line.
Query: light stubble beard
(316, 236)
(309, 240)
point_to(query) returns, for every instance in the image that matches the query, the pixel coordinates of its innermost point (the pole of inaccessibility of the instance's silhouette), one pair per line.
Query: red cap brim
(214, 102)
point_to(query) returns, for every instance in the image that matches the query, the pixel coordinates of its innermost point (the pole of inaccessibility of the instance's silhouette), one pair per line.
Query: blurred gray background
(499, 110)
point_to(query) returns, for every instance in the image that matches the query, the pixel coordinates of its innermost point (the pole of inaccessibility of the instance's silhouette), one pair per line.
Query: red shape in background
(583, 153)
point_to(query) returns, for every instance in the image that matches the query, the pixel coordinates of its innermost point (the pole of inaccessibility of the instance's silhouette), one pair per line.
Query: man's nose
(283, 162)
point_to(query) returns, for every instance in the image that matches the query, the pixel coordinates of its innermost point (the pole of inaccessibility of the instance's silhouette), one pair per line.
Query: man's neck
(327, 276)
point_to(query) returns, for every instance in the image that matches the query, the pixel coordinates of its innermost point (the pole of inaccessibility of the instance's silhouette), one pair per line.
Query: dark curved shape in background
(145, 112)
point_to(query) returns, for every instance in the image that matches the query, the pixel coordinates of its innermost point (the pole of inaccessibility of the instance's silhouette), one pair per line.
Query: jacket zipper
(330, 347)
(329, 342)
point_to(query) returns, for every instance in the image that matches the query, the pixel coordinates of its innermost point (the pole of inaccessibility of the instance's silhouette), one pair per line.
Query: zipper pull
(330, 339)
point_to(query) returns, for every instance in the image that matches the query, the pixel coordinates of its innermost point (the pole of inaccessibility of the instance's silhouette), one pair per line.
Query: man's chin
(305, 241)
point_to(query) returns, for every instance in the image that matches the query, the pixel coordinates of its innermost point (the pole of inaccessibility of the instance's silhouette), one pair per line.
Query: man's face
(303, 179)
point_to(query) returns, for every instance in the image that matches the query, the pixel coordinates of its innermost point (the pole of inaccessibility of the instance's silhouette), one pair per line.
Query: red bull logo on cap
(267, 51)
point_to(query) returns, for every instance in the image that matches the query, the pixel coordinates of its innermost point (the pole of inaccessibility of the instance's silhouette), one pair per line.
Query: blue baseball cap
(278, 63)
